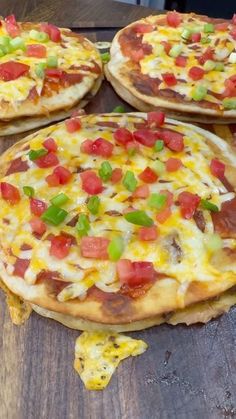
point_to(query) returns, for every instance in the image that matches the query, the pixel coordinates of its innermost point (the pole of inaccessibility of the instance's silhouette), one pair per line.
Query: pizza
(45, 72)
(136, 219)
(184, 64)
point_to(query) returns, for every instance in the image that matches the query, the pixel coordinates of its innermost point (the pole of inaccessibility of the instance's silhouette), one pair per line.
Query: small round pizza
(132, 221)
(44, 72)
(182, 63)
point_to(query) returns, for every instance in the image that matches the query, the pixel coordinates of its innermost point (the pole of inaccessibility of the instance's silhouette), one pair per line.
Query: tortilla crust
(23, 124)
(142, 106)
(65, 98)
(196, 313)
(119, 73)
(162, 297)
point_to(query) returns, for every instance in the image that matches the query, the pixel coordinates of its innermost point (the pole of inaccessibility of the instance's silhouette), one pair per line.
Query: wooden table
(187, 373)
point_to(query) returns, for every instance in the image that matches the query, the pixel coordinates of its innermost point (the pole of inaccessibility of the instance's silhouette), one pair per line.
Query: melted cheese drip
(194, 176)
(98, 354)
(159, 62)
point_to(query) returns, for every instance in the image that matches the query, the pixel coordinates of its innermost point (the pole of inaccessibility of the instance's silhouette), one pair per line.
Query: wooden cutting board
(187, 372)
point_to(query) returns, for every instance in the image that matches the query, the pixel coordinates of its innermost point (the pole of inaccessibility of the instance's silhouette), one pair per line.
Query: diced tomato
(173, 164)
(207, 55)
(116, 175)
(20, 267)
(196, 73)
(221, 26)
(135, 274)
(12, 70)
(181, 61)
(50, 144)
(87, 147)
(217, 168)
(91, 183)
(143, 28)
(173, 19)
(12, 26)
(36, 50)
(173, 140)
(230, 87)
(52, 31)
(169, 195)
(188, 204)
(37, 207)
(163, 215)
(38, 226)
(143, 272)
(196, 37)
(125, 271)
(63, 174)
(123, 136)
(60, 246)
(145, 137)
(233, 33)
(233, 20)
(167, 46)
(102, 147)
(52, 180)
(148, 233)
(142, 192)
(169, 79)
(73, 124)
(10, 193)
(148, 175)
(48, 160)
(99, 147)
(156, 119)
(54, 73)
(94, 247)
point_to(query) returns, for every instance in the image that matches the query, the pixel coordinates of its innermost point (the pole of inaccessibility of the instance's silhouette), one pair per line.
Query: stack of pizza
(182, 63)
(122, 221)
(45, 72)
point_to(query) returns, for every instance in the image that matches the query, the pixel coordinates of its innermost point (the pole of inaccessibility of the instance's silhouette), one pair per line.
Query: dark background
(215, 8)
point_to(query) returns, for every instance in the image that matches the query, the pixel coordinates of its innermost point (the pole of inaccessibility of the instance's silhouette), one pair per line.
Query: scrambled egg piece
(19, 310)
(98, 354)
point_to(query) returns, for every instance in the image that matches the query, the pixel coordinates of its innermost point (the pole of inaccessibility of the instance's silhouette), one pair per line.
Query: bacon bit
(116, 175)
(20, 267)
(26, 246)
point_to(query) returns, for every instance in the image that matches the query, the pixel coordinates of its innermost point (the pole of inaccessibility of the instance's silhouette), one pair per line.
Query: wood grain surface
(187, 372)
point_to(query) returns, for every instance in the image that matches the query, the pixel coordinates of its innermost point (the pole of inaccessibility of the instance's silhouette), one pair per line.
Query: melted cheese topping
(195, 176)
(98, 354)
(69, 52)
(159, 62)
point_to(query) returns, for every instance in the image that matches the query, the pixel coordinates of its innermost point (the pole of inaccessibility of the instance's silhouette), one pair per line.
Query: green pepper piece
(115, 248)
(83, 225)
(139, 218)
(54, 215)
(129, 181)
(35, 154)
(93, 204)
(59, 199)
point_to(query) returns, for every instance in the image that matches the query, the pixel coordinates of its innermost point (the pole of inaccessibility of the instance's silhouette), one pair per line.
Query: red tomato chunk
(10, 193)
(94, 247)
